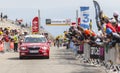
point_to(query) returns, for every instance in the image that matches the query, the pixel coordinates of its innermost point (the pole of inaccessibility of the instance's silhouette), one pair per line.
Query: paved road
(61, 61)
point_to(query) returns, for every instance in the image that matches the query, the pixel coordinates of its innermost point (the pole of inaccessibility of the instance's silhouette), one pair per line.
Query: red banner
(79, 21)
(35, 25)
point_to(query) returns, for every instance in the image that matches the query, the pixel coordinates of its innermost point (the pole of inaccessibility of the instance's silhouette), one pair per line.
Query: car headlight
(44, 48)
(23, 48)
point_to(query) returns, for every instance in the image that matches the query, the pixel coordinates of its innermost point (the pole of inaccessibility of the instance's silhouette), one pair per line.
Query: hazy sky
(54, 9)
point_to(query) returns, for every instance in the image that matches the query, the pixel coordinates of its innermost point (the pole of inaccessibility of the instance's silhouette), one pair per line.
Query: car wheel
(46, 57)
(21, 57)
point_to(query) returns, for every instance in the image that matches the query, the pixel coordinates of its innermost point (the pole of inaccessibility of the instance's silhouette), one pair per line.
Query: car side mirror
(48, 42)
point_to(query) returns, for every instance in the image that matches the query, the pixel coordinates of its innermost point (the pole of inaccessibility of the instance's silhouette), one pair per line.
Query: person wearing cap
(115, 22)
(114, 37)
(116, 15)
(109, 25)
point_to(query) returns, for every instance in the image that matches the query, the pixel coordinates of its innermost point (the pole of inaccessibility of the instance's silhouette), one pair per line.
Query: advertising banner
(58, 22)
(84, 17)
(35, 25)
(97, 13)
(94, 52)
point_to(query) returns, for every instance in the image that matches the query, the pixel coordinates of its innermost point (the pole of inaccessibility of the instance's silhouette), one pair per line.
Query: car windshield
(35, 40)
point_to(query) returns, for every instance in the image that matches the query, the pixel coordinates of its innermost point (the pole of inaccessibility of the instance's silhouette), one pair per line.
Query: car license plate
(33, 51)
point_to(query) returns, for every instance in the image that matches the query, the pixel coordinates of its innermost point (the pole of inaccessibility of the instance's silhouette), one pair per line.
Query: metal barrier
(102, 54)
(1, 47)
(86, 51)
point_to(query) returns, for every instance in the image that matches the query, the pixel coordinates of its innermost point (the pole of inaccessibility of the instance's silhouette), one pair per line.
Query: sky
(54, 9)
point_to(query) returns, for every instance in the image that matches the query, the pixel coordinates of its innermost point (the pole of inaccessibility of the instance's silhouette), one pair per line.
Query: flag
(97, 11)
(85, 17)
(35, 25)
(79, 21)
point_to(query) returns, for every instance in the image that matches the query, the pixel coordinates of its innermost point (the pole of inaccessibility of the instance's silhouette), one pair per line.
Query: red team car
(34, 45)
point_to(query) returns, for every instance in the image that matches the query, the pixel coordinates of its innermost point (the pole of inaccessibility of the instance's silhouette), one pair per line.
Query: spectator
(6, 39)
(116, 15)
(15, 42)
(1, 16)
(5, 17)
(90, 24)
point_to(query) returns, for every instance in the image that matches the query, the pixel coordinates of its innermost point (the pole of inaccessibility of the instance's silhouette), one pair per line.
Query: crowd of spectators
(8, 36)
(108, 33)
